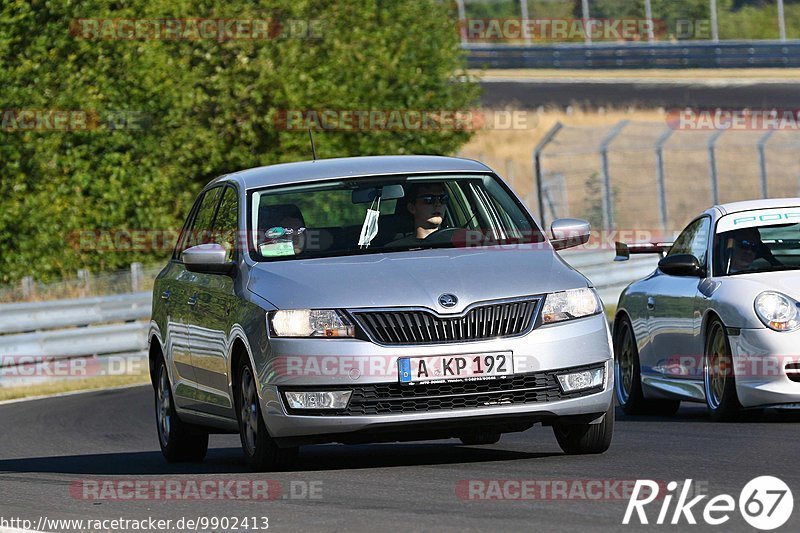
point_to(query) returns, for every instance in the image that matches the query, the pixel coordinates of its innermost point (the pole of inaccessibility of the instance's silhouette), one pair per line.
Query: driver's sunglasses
(431, 199)
(749, 245)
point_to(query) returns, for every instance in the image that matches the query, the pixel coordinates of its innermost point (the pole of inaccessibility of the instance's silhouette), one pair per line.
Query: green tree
(210, 108)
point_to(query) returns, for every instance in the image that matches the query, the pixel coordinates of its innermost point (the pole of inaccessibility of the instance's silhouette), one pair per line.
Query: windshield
(369, 215)
(758, 248)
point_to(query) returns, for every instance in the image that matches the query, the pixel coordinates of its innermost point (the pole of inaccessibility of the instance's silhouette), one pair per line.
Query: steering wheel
(441, 235)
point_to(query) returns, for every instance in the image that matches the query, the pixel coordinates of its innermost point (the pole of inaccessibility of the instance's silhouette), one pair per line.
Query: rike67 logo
(765, 503)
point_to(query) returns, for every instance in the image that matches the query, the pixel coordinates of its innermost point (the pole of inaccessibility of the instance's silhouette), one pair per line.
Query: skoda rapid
(374, 299)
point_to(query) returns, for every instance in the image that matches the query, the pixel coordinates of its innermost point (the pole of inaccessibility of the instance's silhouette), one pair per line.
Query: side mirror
(208, 259)
(569, 232)
(681, 265)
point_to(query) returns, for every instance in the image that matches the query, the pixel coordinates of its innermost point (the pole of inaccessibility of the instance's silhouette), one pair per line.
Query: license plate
(448, 368)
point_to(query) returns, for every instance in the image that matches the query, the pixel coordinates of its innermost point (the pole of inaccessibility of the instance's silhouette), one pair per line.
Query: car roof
(750, 205)
(347, 167)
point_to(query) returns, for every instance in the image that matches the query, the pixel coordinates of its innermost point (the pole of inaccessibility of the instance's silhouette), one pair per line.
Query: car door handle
(165, 295)
(651, 303)
(193, 300)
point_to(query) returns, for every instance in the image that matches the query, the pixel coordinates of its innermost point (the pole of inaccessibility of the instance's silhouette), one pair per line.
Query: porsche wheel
(719, 380)
(628, 377)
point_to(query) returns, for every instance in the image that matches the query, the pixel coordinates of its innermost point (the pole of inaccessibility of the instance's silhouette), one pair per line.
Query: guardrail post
(85, 279)
(762, 161)
(537, 167)
(27, 287)
(712, 165)
(781, 21)
(608, 207)
(648, 15)
(136, 276)
(660, 187)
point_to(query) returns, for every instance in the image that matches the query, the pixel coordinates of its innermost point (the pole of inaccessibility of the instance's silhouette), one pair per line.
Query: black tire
(260, 450)
(628, 377)
(581, 439)
(180, 442)
(477, 439)
(719, 379)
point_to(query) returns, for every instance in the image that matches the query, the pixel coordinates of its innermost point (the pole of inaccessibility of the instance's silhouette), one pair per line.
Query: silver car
(719, 320)
(374, 299)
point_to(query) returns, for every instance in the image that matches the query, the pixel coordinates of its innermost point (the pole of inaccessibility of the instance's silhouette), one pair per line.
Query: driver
(427, 204)
(428, 208)
(746, 251)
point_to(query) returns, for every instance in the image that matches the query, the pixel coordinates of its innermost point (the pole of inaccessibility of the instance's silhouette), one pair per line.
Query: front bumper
(760, 359)
(331, 363)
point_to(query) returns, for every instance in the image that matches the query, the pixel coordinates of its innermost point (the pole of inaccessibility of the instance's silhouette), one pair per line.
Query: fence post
(537, 167)
(648, 15)
(462, 22)
(781, 21)
(712, 165)
(660, 187)
(712, 7)
(587, 24)
(762, 161)
(136, 276)
(526, 34)
(608, 215)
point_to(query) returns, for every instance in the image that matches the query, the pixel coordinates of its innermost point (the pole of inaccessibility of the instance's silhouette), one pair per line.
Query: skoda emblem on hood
(448, 300)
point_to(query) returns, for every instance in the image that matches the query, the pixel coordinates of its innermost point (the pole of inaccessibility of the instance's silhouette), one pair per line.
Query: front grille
(394, 398)
(424, 327)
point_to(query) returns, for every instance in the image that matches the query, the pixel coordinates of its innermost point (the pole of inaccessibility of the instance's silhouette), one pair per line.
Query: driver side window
(693, 240)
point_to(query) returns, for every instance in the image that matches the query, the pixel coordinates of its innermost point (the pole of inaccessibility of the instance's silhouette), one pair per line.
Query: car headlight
(566, 305)
(310, 323)
(777, 311)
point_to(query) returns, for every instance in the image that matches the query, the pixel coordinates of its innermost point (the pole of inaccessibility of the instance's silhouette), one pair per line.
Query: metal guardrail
(686, 54)
(34, 316)
(118, 324)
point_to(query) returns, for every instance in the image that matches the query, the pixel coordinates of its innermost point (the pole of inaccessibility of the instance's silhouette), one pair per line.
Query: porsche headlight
(566, 305)
(310, 323)
(777, 311)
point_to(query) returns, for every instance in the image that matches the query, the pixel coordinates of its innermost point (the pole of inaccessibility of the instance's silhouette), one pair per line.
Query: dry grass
(573, 163)
(56, 387)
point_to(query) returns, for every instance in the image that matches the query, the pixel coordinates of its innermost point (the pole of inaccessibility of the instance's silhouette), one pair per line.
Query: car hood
(415, 278)
(787, 282)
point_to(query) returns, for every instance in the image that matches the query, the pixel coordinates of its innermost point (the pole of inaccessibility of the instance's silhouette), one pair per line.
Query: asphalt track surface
(532, 93)
(47, 445)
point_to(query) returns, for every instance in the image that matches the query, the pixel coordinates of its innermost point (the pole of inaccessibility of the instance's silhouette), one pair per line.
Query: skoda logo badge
(448, 300)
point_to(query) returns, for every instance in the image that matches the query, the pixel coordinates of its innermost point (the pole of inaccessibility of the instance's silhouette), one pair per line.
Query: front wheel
(628, 377)
(260, 449)
(580, 439)
(719, 380)
(180, 442)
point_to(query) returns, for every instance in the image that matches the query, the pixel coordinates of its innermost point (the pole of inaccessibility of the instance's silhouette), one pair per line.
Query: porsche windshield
(758, 249)
(368, 215)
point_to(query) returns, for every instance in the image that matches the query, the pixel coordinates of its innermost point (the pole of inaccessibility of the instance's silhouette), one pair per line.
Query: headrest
(270, 216)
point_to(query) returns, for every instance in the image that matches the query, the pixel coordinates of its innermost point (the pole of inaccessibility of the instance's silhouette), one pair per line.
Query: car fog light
(581, 380)
(318, 400)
